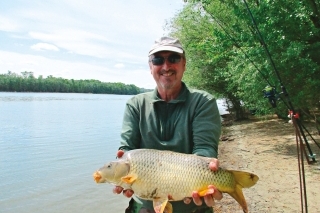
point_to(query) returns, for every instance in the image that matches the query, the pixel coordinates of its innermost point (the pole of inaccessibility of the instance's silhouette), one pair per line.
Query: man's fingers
(128, 193)
(196, 198)
(217, 195)
(208, 199)
(212, 194)
(214, 164)
(187, 200)
(117, 189)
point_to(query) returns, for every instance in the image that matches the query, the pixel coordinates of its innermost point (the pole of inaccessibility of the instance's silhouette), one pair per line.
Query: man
(270, 92)
(172, 117)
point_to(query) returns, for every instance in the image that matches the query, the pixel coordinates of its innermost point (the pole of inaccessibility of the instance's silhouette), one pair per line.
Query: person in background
(270, 93)
(172, 117)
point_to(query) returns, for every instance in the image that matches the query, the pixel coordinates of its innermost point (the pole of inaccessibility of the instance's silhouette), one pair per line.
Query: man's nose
(166, 65)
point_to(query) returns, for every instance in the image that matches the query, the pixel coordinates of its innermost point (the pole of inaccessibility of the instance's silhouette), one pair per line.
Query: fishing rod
(287, 100)
(296, 121)
(293, 115)
(284, 90)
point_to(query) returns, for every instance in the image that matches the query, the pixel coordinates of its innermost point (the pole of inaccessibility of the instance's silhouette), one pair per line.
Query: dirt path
(268, 149)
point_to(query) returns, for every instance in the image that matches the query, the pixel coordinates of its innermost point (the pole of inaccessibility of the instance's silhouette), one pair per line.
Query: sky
(106, 40)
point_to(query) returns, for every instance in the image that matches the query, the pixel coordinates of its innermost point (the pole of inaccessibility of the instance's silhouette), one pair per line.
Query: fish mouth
(97, 177)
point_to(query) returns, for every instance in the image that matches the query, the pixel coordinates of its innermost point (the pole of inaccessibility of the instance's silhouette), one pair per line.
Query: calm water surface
(50, 144)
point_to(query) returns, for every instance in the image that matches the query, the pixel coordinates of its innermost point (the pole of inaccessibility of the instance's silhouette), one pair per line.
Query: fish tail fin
(238, 196)
(243, 180)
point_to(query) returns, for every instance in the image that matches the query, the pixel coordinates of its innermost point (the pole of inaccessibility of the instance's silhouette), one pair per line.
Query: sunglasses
(159, 60)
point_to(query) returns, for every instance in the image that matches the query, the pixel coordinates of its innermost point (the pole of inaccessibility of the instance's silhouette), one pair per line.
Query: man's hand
(212, 194)
(118, 189)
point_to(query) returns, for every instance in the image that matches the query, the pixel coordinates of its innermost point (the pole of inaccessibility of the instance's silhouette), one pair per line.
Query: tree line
(27, 82)
(226, 55)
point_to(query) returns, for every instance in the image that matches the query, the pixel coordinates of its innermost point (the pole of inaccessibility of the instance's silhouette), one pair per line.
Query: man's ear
(184, 64)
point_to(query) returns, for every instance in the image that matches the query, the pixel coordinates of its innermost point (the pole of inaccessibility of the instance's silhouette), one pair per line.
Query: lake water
(51, 143)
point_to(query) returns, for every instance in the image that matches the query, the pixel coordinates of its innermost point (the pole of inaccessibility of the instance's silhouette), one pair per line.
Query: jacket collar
(182, 97)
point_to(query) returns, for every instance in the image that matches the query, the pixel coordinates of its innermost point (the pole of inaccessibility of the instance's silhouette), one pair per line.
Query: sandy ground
(268, 148)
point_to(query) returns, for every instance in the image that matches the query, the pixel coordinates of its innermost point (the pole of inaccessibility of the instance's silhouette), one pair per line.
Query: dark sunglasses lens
(158, 60)
(174, 58)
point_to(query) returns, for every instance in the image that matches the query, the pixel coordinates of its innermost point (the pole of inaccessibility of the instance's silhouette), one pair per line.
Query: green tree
(26, 82)
(227, 57)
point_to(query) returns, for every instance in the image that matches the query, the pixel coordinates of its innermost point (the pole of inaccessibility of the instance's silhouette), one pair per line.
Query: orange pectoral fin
(129, 179)
(204, 192)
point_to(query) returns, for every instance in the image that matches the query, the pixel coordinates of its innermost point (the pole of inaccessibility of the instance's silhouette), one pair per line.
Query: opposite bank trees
(26, 82)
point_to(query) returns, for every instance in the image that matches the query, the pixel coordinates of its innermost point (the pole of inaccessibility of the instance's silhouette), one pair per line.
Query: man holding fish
(172, 117)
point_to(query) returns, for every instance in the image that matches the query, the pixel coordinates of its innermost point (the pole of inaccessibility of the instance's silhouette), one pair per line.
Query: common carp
(163, 176)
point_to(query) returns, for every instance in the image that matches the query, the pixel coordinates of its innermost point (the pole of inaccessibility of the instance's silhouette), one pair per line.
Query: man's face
(169, 73)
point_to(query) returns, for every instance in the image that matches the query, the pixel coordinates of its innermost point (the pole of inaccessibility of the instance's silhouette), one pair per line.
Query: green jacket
(189, 124)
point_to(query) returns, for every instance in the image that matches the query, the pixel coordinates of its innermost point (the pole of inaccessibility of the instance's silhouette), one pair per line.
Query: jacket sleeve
(130, 133)
(206, 127)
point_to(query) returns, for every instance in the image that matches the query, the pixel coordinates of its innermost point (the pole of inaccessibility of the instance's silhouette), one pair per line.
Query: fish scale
(164, 173)
(161, 175)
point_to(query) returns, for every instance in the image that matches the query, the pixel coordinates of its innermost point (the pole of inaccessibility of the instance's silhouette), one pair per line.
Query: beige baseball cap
(166, 44)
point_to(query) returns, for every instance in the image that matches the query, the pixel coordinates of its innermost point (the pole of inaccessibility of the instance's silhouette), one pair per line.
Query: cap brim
(166, 48)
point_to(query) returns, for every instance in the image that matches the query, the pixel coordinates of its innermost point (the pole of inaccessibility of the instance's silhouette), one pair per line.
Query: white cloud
(119, 66)
(87, 38)
(8, 24)
(84, 43)
(44, 46)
